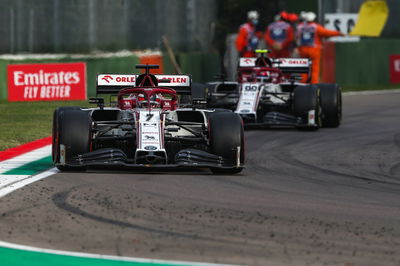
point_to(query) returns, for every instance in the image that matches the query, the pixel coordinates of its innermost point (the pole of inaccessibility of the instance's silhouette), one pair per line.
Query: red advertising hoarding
(394, 67)
(47, 82)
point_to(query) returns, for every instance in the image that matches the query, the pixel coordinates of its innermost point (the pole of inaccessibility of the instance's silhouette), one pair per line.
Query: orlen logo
(107, 78)
(294, 62)
(119, 79)
(125, 79)
(247, 61)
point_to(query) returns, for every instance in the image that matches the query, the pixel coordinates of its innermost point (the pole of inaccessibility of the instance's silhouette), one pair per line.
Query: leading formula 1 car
(268, 93)
(147, 128)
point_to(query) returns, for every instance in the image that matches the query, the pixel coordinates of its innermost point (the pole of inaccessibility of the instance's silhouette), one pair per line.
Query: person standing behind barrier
(279, 36)
(248, 39)
(309, 39)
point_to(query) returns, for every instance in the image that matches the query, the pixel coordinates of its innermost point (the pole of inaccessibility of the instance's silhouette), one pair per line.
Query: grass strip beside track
(22, 122)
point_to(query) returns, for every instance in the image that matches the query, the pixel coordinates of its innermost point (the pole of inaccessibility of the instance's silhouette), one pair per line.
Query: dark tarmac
(328, 197)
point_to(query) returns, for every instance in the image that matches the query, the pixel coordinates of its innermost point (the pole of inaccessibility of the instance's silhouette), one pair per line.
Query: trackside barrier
(202, 66)
(94, 65)
(363, 63)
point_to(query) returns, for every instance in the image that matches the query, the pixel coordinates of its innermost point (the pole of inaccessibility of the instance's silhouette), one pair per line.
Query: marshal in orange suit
(247, 39)
(309, 39)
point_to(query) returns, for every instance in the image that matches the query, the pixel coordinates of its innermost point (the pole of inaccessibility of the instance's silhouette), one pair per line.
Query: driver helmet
(141, 99)
(263, 76)
(155, 100)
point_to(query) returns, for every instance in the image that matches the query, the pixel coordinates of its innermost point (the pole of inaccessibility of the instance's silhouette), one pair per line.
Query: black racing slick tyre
(226, 137)
(306, 98)
(57, 113)
(331, 104)
(72, 128)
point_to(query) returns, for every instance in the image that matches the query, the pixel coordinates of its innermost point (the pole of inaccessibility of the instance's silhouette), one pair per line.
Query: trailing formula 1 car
(268, 93)
(146, 128)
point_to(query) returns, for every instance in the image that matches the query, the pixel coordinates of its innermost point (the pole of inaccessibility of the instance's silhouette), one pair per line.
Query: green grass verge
(23, 122)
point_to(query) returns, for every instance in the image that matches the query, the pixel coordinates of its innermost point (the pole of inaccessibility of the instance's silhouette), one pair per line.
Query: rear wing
(292, 65)
(286, 65)
(113, 83)
(247, 61)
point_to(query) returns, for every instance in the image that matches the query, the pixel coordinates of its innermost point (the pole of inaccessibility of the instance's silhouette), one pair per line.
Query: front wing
(116, 158)
(281, 120)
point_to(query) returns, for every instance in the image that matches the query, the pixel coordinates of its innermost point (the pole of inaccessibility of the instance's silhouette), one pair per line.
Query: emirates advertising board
(46, 82)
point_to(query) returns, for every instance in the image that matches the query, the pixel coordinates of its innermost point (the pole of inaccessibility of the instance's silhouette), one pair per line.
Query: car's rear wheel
(227, 140)
(72, 128)
(306, 99)
(331, 104)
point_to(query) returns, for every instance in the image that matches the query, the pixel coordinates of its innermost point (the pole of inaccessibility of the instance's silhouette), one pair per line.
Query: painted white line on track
(25, 158)
(26, 181)
(105, 257)
(371, 92)
(6, 180)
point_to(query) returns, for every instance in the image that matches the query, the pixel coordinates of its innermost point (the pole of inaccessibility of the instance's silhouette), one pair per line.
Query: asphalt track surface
(330, 197)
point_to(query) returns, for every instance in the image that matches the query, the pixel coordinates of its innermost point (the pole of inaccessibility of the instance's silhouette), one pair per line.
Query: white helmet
(253, 14)
(308, 16)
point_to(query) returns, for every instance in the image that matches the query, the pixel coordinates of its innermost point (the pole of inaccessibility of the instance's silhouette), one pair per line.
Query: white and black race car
(146, 128)
(268, 93)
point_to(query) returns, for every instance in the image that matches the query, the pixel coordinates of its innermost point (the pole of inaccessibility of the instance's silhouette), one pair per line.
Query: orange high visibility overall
(247, 40)
(309, 38)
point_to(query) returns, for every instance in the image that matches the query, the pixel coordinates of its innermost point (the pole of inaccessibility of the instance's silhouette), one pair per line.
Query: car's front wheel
(331, 103)
(305, 100)
(72, 132)
(226, 139)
